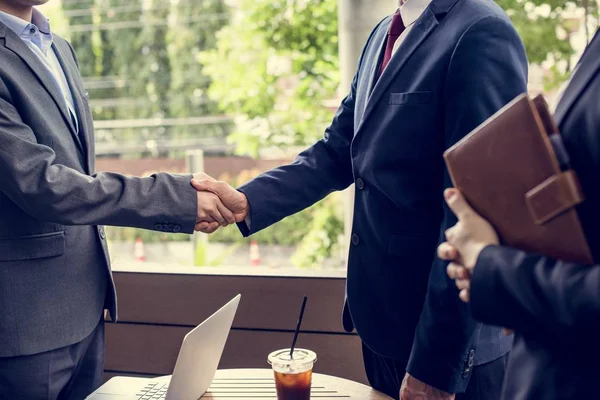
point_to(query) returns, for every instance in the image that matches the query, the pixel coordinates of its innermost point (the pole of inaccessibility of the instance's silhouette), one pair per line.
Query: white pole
(195, 163)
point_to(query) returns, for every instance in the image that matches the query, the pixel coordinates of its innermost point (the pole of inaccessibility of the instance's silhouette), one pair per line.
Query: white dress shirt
(410, 11)
(38, 37)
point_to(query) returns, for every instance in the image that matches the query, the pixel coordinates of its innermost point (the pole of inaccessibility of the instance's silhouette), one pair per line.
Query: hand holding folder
(513, 171)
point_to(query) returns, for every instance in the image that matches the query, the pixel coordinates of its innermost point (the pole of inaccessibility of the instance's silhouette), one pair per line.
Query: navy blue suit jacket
(460, 63)
(554, 305)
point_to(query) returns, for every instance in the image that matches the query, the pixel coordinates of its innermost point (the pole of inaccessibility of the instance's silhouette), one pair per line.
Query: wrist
(413, 388)
(475, 252)
(245, 213)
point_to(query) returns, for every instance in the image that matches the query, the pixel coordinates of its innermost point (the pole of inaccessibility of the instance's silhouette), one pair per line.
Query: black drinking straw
(298, 326)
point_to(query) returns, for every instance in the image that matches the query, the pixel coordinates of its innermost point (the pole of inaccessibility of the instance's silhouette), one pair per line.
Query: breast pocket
(398, 99)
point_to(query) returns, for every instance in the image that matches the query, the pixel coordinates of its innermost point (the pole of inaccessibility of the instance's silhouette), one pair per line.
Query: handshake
(218, 204)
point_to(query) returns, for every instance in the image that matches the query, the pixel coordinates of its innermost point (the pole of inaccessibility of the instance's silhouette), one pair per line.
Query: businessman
(427, 76)
(55, 278)
(553, 305)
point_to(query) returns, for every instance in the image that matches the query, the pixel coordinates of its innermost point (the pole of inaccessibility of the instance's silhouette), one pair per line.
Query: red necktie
(396, 29)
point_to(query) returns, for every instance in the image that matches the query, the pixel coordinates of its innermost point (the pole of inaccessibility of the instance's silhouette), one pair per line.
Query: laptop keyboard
(153, 391)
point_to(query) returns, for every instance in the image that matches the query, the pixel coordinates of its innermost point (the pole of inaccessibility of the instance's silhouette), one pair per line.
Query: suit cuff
(181, 206)
(245, 226)
(439, 373)
(487, 299)
(443, 351)
(254, 221)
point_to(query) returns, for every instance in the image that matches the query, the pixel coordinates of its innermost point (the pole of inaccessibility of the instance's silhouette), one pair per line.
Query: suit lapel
(374, 67)
(17, 46)
(587, 69)
(423, 27)
(77, 92)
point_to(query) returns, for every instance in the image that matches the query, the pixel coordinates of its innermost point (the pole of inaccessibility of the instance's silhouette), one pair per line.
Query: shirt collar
(15, 24)
(20, 26)
(411, 10)
(37, 31)
(39, 20)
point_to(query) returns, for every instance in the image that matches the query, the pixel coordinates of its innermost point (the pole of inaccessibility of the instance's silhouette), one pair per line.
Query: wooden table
(235, 384)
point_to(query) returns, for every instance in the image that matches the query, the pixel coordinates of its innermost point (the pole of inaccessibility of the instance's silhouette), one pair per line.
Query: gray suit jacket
(55, 278)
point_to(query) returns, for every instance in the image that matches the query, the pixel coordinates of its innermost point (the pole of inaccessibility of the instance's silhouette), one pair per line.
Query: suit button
(469, 364)
(360, 184)
(169, 228)
(102, 233)
(158, 227)
(177, 228)
(355, 239)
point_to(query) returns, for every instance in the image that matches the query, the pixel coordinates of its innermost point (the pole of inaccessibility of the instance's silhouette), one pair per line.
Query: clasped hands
(464, 243)
(219, 204)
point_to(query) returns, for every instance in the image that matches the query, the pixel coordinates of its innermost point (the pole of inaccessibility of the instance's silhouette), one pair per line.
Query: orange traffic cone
(138, 250)
(254, 254)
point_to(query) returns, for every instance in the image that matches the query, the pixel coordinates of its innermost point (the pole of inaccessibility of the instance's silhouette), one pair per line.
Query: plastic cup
(293, 375)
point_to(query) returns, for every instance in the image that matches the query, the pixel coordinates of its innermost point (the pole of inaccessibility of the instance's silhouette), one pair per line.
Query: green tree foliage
(140, 58)
(119, 50)
(196, 22)
(77, 15)
(274, 67)
(322, 240)
(546, 26)
(277, 63)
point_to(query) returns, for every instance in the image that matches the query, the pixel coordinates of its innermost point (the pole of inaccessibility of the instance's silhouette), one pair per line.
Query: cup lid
(300, 358)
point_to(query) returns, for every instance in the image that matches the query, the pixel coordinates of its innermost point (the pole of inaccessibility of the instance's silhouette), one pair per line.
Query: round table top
(323, 386)
(232, 384)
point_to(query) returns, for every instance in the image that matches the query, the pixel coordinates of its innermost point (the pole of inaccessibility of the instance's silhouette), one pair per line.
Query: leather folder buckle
(554, 196)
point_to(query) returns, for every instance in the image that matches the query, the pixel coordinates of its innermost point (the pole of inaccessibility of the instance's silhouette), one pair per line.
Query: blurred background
(236, 87)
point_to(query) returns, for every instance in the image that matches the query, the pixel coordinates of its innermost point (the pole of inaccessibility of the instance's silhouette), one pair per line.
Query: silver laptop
(195, 369)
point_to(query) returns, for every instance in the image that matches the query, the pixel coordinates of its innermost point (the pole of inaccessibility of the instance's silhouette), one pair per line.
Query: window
(206, 81)
(249, 83)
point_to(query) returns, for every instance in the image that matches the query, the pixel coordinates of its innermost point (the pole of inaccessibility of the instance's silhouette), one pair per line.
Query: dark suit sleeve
(321, 169)
(33, 179)
(487, 70)
(316, 172)
(540, 297)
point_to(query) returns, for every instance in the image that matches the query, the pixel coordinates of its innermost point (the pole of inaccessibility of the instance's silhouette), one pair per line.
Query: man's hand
(211, 211)
(465, 241)
(232, 199)
(414, 389)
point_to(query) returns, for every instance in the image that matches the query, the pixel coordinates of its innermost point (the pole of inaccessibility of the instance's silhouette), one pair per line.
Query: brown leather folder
(508, 170)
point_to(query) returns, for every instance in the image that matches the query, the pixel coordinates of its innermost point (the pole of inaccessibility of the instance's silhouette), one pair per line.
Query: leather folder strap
(554, 196)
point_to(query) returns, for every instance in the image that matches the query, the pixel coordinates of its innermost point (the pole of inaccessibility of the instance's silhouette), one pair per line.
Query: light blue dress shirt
(38, 37)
